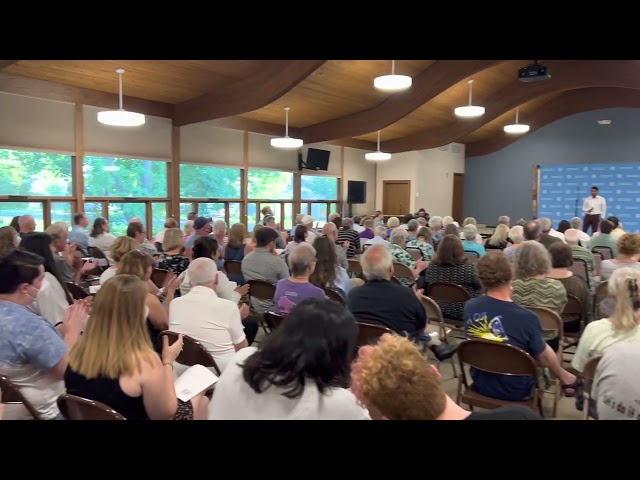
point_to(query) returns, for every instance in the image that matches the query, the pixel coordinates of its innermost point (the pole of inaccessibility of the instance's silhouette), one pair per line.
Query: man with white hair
(578, 252)
(331, 231)
(545, 233)
(382, 302)
(504, 220)
(437, 229)
(27, 225)
(202, 315)
(583, 237)
(293, 290)
(380, 233)
(470, 232)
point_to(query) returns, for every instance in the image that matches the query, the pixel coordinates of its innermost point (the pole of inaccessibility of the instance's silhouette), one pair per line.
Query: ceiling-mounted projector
(533, 73)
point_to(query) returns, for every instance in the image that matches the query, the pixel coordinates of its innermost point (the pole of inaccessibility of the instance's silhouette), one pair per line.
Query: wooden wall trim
(78, 159)
(173, 176)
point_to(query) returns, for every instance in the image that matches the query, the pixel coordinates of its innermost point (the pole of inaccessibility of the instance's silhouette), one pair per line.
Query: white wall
(262, 154)
(356, 167)
(435, 169)
(402, 166)
(206, 144)
(37, 124)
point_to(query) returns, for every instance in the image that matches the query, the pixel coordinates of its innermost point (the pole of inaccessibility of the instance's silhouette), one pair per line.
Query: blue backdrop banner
(563, 189)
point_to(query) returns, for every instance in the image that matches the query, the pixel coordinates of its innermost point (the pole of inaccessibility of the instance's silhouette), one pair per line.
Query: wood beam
(569, 103)
(32, 87)
(78, 159)
(174, 174)
(6, 63)
(257, 91)
(434, 80)
(566, 75)
(245, 178)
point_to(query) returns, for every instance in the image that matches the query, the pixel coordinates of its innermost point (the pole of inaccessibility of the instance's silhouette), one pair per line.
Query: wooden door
(396, 197)
(458, 197)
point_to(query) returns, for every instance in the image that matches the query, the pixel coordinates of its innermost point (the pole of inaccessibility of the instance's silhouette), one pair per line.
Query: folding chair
(78, 408)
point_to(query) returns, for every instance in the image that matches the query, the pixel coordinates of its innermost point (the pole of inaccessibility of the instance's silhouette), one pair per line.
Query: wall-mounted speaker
(356, 192)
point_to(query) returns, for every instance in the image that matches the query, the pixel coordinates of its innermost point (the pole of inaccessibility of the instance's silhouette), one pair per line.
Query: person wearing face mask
(33, 354)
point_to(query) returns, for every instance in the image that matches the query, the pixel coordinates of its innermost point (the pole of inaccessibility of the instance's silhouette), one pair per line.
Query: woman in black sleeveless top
(236, 249)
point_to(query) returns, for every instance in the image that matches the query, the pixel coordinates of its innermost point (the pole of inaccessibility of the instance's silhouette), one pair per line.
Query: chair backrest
(497, 357)
(12, 394)
(597, 261)
(193, 352)
(400, 270)
(602, 292)
(77, 292)
(159, 247)
(415, 253)
(550, 320)
(447, 292)
(261, 289)
(233, 267)
(434, 313)
(472, 258)
(158, 276)
(469, 253)
(78, 408)
(589, 373)
(579, 269)
(274, 320)
(573, 307)
(369, 333)
(354, 266)
(95, 252)
(333, 295)
(605, 252)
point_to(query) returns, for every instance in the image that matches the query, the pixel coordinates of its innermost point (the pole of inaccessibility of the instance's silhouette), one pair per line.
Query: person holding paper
(114, 361)
(298, 373)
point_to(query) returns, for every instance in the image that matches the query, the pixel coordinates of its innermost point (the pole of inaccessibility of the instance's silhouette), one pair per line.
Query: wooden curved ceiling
(334, 100)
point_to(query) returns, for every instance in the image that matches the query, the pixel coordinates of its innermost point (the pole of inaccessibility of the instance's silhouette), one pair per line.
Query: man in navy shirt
(497, 318)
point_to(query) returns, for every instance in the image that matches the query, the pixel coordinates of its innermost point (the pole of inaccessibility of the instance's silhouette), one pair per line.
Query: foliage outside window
(270, 184)
(124, 177)
(205, 181)
(35, 174)
(315, 187)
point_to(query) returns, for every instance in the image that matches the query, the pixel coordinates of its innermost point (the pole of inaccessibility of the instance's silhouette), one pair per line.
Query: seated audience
(397, 244)
(138, 232)
(621, 326)
(516, 236)
(367, 232)
(497, 318)
(327, 273)
(382, 302)
(498, 241)
(237, 248)
(169, 223)
(67, 259)
(172, 258)
(293, 290)
(299, 237)
(330, 230)
(423, 242)
(471, 221)
(469, 243)
(451, 229)
(78, 234)
(9, 239)
(412, 230)
(583, 237)
(437, 230)
(628, 255)
(299, 372)
(53, 297)
(188, 230)
(120, 247)
(15, 223)
(392, 223)
(348, 234)
(380, 234)
(547, 234)
(100, 236)
(581, 253)
(450, 266)
(617, 226)
(561, 260)
(33, 354)
(270, 222)
(393, 380)
(616, 386)
(114, 362)
(213, 321)
(605, 238)
(27, 225)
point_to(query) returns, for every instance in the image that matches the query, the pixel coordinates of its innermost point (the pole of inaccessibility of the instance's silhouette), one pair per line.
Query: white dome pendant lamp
(471, 110)
(379, 155)
(286, 141)
(516, 127)
(393, 82)
(121, 117)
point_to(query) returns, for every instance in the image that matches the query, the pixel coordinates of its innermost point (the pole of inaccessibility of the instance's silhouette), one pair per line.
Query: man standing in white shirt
(594, 208)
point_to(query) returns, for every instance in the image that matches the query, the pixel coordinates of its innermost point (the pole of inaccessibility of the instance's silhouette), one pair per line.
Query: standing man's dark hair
(595, 188)
(531, 230)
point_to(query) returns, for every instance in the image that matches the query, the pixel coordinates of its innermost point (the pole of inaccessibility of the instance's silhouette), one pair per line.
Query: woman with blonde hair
(9, 239)
(628, 256)
(168, 224)
(499, 238)
(172, 259)
(114, 362)
(188, 229)
(119, 248)
(621, 326)
(237, 249)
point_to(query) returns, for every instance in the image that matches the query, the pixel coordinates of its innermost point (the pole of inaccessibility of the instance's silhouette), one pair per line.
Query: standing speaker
(356, 192)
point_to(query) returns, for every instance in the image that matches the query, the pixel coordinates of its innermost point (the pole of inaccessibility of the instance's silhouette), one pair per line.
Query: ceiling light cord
(470, 92)
(378, 140)
(393, 67)
(517, 114)
(120, 71)
(286, 121)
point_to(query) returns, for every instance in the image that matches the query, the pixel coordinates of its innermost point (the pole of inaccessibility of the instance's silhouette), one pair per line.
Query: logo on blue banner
(559, 191)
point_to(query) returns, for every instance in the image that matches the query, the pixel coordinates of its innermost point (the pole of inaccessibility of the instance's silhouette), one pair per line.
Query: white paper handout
(193, 381)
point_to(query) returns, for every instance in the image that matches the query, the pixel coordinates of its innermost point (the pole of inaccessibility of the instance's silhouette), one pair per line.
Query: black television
(317, 159)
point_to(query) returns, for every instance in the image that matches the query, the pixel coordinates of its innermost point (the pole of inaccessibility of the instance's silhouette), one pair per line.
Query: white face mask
(33, 298)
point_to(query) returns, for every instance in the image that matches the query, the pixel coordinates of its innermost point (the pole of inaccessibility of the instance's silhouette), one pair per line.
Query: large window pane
(185, 210)
(234, 213)
(204, 181)
(124, 177)
(120, 214)
(214, 210)
(92, 210)
(8, 210)
(35, 173)
(252, 210)
(159, 216)
(314, 187)
(319, 212)
(61, 212)
(287, 222)
(270, 184)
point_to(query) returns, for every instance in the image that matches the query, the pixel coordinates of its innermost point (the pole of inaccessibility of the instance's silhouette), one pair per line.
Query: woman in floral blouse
(172, 258)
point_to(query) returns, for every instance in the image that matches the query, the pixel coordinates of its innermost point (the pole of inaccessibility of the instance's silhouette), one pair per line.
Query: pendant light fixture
(471, 110)
(121, 117)
(516, 127)
(379, 155)
(393, 82)
(286, 141)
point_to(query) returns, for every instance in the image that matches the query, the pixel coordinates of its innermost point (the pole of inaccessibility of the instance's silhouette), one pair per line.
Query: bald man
(330, 230)
(27, 225)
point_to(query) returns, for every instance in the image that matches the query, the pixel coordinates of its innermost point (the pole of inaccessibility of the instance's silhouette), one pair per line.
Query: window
(204, 181)
(8, 210)
(159, 216)
(124, 177)
(270, 184)
(315, 187)
(35, 174)
(120, 214)
(61, 212)
(92, 210)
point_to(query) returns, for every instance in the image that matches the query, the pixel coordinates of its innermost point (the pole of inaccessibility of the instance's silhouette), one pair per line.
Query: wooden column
(173, 175)
(342, 184)
(78, 159)
(245, 178)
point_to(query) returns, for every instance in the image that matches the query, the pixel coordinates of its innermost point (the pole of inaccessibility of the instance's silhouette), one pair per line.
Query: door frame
(384, 182)
(453, 196)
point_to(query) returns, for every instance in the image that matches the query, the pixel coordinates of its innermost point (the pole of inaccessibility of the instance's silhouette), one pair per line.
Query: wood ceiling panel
(438, 112)
(338, 88)
(170, 81)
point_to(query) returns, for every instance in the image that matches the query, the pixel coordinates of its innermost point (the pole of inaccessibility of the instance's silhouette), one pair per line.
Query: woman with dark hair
(100, 236)
(563, 226)
(15, 223)
(9, 239)
(450, 266)
(297, 373)
(53, 297)
(328, 273)
(299, 236)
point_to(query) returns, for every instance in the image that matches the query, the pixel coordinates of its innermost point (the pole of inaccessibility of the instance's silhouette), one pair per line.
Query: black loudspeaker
(356, 192)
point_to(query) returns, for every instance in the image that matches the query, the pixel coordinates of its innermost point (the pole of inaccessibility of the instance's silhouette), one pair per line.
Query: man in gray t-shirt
(616, 386)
